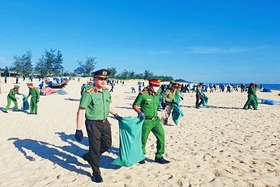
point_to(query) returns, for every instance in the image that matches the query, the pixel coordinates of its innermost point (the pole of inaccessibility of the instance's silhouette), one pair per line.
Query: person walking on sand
(35, 97)
(252, 97)
(199, 96)
(146, 106)
(12, 97)
(168, 98)
(95, 105)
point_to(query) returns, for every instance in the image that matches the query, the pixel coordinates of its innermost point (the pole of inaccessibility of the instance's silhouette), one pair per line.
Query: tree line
(50, 64)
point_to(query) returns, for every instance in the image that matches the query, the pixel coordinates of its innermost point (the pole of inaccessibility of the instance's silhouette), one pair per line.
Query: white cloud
(217, 50)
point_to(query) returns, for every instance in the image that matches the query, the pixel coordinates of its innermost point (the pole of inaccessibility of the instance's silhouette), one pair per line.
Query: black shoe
(142, 162)
(97, 178)
(86, 157)
(161, 161)
(5, 111)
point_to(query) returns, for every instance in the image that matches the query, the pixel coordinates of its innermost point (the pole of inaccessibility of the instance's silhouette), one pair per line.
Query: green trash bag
(130, 132)
(177, 113)
(179, 98)
(205, 101)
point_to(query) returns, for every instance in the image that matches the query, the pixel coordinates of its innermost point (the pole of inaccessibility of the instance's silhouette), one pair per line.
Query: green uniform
(251, 98)
(97, 106)
(12, 97)
(148, 103)
(199, 97)
(35, 96)
(168, 98)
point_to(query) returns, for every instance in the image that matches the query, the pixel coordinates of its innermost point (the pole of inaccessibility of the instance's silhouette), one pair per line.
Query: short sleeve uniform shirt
(96, 103)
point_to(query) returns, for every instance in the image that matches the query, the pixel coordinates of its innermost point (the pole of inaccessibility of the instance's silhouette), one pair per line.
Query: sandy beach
(218, 145)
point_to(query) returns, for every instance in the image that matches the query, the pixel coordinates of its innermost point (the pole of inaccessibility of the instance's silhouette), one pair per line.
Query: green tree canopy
(50, 63)
(23, 64)
(87, 67)
(113, 71)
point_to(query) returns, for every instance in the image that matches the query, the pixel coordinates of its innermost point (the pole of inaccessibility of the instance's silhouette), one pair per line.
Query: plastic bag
(25, 104)
(179, 98)
(130, 151)
(177, 113)
(205, 100)
(269, 102)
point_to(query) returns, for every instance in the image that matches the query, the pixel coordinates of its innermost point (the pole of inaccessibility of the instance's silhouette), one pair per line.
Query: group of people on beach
(34, 93)
(95, 106)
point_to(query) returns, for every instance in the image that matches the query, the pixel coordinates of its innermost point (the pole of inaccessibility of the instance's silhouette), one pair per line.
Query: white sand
(221, 145)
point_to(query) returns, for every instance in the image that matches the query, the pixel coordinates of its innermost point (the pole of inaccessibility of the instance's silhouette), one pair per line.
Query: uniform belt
(150, 118)
(103, 120)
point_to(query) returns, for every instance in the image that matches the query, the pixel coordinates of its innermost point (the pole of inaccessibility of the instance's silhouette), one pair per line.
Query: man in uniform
(12, 97)
(35, 96)
(251, 101)
(148, 101)
(199, 96)
(95, 105)
(168, 99)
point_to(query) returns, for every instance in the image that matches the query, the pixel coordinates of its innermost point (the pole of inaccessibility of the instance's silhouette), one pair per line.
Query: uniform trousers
(156, 127)
(167, 112)
(199, 100)
(33, 105)
(9, 99)
(100, 140)
(251, 101)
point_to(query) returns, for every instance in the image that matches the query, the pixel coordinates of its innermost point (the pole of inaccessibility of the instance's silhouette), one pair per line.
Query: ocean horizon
(266, 86)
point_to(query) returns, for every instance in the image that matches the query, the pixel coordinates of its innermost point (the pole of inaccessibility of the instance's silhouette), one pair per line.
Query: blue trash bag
(130, 151)
(25, 105)
(177, 113)
(269, 102)
(266, 90)
(205, 101)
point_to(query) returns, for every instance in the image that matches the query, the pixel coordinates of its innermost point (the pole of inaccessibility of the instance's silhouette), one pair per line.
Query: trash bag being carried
(205, 100)
(130, 151)
(179, 98)
(177, 113)
(25, 104)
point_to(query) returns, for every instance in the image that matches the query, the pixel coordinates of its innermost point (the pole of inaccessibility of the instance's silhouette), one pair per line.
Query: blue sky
(234, 41)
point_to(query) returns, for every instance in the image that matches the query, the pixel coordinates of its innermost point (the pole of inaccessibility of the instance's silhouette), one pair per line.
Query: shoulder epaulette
(90, 90)
(143, 92)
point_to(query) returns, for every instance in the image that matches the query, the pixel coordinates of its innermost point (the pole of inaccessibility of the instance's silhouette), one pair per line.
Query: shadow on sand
(64, 156)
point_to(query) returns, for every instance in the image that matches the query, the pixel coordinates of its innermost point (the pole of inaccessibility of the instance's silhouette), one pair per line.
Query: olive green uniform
(251, 98)
(35, 96)
(12, 97)
(148, 103)
(97, 106)
(199, 97)
(168, 98)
